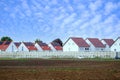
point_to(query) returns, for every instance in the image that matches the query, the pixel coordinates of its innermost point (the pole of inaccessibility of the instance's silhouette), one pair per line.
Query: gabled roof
(56, 45)
(96, 42)
(44, 46)
(4, 45)
(80, 42)
(17, 44)
(116, 39)
(1, 42)
(109, 41)
(30, 46)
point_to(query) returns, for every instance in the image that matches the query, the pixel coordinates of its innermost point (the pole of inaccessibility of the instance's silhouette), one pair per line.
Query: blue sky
(26, 20)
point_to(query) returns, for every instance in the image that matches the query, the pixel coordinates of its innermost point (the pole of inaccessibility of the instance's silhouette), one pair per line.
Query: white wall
(52, 48)
(116, 46)
(92, 48)
(11, 48)
(107, 48)
(22, 46)
(57, 54)
(70, 46)
(38, 47)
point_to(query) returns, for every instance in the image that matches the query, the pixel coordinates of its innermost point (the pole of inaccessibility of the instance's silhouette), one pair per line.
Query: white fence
(57, 54)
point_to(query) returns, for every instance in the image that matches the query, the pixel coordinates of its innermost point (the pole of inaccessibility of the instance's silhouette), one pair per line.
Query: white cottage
(116, 45)
(27, 46)
(8, 46)
(75, 44)
(108, 43)
(95, 44)
(42, 46)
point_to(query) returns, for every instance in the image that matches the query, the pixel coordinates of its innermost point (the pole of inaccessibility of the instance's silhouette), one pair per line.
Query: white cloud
(110, 19)
(68, 20)
(95, 19)
(26, 8)
(54, 2)
(95, 5)
(109, 7)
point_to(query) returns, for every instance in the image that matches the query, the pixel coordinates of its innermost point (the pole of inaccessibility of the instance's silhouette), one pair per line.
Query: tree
(58, 41)
(6, 38)
(37, 41)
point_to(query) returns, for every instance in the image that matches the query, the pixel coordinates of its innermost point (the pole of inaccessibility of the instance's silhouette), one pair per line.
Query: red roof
(57, 46)
(4, 45)
(30, 46)
(80, 42)
(109, 41)
(45, 47)
(96, 42)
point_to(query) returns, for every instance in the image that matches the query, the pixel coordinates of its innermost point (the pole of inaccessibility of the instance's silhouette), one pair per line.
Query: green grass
(91, 59)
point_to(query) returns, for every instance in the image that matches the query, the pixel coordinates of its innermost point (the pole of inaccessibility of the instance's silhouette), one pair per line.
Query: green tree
(6, 38)
(37, 41)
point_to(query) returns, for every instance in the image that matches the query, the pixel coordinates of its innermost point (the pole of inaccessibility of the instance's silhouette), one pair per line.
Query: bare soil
(36, 69)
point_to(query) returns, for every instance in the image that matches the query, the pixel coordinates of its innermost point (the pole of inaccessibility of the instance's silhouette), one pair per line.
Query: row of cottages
(28, 46)
(91, 44)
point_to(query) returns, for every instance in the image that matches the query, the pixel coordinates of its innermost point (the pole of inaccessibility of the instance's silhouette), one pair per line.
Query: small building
(8, 46)
(27, 46)
(108, 43)
(116, 45)
(55, 46)
(75, 44)
(42, 46)
(95, 44)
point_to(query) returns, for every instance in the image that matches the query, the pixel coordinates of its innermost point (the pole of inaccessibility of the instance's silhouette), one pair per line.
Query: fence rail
(58, 54)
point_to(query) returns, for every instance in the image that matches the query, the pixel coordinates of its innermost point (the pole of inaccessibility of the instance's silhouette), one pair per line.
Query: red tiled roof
(45, 47)
(30, 46)
(109, 41)
(80, 42)
(4, 45)
(56, 46)
(96, 42)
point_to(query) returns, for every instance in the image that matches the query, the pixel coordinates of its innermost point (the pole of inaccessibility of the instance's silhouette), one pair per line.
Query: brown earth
(36, 69)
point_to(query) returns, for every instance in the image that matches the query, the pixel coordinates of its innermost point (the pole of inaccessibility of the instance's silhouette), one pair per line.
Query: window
(68, 43)
(86, 48)
(69, 49)
(12, 48)
(22, 48)
(72, 43)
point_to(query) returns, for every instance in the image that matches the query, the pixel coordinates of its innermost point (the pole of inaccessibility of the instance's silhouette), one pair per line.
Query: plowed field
(37, 69)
